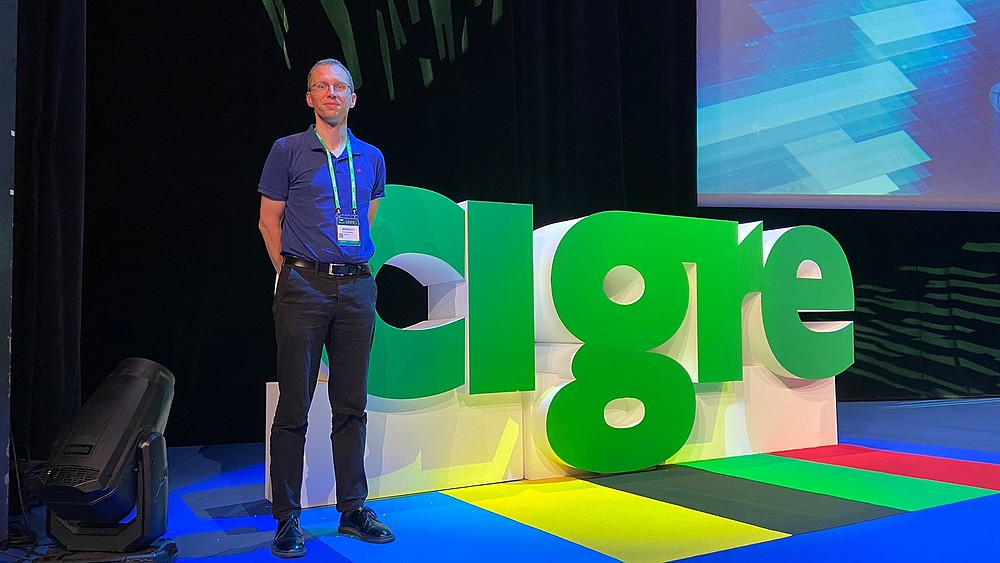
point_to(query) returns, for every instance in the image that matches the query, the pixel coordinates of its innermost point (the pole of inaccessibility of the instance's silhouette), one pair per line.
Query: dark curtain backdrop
(8, 66)
(657, 61)
(48, 220)
(566, 65)
(604, 98)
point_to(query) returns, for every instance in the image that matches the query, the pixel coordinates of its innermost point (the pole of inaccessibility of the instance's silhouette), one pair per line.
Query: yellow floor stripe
(619, 524)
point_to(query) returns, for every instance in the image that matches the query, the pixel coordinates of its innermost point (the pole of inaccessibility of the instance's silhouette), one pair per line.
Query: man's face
(330, 94)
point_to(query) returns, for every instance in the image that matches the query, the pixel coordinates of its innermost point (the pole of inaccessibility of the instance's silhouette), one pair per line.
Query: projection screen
(882, 104)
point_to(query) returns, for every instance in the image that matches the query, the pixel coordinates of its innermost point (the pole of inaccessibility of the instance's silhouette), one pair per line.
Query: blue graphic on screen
(849, 103)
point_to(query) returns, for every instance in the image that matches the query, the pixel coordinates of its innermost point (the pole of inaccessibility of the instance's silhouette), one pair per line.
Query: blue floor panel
(965, 531)
(963, 424)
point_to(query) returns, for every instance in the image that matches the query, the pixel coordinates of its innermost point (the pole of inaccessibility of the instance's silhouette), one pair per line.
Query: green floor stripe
(776, 508)
(893, 491)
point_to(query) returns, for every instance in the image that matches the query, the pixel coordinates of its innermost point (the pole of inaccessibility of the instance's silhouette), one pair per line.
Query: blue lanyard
(333, 177)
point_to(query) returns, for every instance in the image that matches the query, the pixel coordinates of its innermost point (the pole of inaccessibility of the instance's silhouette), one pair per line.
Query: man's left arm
(378, 190)
(372, 208)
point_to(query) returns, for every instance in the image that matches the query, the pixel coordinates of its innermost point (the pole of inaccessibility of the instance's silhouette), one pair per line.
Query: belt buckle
(348, 270)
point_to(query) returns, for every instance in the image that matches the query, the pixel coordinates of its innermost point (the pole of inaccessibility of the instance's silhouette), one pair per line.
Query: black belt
(338, 270)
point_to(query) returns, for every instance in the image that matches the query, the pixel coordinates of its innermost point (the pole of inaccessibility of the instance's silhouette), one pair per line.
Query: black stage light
(111, 461)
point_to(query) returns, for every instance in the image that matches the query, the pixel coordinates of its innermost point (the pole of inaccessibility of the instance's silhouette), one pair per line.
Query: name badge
(348, 230)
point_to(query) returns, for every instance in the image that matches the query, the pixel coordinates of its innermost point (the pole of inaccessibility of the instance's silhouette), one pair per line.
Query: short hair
(329, 62)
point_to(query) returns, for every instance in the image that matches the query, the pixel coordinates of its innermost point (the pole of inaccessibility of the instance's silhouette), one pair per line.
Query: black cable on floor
(18, 538)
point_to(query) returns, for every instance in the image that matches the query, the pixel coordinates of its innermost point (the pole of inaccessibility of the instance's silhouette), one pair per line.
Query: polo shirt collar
(313, 142)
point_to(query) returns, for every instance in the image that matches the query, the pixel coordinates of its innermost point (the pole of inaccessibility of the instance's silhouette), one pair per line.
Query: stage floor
(910, 481)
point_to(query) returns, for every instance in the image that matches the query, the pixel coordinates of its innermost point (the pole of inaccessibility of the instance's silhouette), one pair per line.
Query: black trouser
(312, 310)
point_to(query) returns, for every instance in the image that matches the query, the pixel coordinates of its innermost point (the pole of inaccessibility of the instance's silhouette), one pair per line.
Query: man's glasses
(322, 88)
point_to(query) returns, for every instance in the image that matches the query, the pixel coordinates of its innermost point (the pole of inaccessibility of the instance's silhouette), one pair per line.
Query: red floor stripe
(972, 473)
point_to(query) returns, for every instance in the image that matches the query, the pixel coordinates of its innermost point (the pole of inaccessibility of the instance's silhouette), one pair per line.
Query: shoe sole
(288, 554)
(370, 539)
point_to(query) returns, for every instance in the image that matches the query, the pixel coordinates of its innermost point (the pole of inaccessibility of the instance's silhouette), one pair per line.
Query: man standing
(319, 192)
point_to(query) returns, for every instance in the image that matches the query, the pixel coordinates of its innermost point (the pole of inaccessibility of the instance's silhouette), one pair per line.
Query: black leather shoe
(288, 541)
(364, 525)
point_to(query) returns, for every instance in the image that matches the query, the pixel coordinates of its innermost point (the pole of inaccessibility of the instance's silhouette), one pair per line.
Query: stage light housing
(112, 461)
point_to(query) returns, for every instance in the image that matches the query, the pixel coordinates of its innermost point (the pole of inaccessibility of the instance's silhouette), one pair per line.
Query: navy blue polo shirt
(296, 173)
